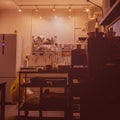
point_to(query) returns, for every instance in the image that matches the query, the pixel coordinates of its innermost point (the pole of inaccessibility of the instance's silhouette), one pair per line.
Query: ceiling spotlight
(37, 9)
(40, 17)
(20, 9)
(70, 9)
(87, 9)
(54, 9)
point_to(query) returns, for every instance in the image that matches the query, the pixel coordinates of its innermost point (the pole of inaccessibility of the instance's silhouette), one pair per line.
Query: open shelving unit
(48, 98)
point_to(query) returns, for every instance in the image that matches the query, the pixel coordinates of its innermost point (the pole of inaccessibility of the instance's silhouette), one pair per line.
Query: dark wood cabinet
(101, 90)
(97, 55)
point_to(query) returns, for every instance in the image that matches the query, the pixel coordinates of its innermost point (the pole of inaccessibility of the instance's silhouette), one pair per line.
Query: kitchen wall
(106, 6)
(66, 26)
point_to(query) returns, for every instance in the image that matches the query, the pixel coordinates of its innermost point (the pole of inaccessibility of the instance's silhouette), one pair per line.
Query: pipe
(96, 5)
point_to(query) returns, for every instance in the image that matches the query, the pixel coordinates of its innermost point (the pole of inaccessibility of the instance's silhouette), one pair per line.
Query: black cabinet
(101, 97)
(97, 55)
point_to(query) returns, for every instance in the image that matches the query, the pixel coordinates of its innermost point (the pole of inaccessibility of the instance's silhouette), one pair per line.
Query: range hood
(112, 15)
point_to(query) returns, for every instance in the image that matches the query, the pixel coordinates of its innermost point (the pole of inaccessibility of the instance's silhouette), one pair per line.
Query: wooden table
(2, 100)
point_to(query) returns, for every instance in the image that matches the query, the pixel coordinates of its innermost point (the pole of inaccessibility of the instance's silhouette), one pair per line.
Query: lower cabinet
(77, 87)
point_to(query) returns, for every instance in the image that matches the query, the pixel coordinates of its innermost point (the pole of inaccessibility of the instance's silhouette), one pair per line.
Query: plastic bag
(14, 91)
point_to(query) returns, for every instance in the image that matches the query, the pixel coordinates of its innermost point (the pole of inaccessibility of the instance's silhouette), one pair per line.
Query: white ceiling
(13, 4)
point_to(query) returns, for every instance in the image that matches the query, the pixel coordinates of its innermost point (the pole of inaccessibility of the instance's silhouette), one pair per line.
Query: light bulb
(37, 9)
(70, 10)
(19, 10)
(54, 8)
(87, 10)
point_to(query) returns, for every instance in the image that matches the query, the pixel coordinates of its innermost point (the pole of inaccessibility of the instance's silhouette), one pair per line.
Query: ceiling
(13, 4)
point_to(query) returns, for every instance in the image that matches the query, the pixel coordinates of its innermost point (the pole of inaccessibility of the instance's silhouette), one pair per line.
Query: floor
(11, 113)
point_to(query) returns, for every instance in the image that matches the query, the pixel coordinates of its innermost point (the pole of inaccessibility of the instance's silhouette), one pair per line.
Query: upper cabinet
(113, 13)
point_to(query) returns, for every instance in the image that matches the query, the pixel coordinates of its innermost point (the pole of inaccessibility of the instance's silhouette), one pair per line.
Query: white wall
(11, 21)
(67, 29)
(116, 28)
(106, 6)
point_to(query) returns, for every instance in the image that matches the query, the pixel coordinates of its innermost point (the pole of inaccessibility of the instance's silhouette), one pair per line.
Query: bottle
(26, 61)
(15, 32)
(96, 27)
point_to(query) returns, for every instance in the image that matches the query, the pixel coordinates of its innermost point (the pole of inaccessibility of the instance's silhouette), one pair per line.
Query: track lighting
(52, 5)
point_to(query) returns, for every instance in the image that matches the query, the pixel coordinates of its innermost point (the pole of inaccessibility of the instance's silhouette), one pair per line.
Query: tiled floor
(11, 113)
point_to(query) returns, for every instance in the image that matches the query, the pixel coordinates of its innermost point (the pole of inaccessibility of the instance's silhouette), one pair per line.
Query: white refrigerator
(8, 61)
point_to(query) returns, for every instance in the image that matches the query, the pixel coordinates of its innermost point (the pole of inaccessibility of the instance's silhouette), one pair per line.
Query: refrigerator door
(8, 60)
